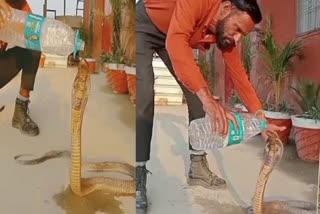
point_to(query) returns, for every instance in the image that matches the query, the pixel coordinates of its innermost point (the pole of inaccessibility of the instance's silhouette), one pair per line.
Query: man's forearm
(204, 94)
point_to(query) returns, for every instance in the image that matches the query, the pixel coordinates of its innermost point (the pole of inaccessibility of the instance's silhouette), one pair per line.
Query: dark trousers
(16, 59)
(150, 40)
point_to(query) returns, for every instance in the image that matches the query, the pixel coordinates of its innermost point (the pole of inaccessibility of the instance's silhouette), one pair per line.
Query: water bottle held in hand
(202, 137)
(38, 33)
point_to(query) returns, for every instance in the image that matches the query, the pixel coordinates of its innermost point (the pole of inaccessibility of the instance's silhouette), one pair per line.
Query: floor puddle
(97, 202)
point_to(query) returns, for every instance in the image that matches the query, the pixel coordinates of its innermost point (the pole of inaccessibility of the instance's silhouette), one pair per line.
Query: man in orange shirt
(11, 62)
(172, 29)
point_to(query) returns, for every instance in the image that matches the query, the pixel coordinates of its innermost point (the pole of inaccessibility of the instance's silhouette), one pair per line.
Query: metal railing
(46, 10)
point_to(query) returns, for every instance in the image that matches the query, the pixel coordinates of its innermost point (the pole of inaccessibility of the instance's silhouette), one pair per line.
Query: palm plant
(308, 98)
(116, 7)
(247, 55)
(279, 62)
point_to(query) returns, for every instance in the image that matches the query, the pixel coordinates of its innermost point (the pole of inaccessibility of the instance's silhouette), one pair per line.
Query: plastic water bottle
(202, 138)
(38, 33)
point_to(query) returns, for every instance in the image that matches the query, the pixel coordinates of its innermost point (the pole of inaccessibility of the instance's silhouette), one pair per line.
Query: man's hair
(249, 6)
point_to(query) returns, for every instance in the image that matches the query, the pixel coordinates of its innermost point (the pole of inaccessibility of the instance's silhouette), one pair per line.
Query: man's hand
(270, 126)
(218, 116)
(5, 12)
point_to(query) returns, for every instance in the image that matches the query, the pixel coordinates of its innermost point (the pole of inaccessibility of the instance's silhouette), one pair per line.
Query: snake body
(274, 156)
(84, 186)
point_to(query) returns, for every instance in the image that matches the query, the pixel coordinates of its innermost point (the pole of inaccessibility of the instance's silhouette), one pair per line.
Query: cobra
(259, 206)
(79, 185)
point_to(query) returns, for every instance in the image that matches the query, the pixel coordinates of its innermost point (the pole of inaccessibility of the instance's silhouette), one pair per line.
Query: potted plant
(86, 36)
(307, 125)
(117, 74)
(278, 61)
(105, 60)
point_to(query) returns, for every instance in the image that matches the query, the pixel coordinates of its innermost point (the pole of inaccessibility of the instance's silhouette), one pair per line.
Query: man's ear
(225, 9)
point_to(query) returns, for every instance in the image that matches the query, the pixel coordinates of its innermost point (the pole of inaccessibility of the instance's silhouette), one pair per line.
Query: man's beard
(223, 41)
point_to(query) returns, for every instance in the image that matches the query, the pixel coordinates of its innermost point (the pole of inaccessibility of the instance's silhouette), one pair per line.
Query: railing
(46, 10)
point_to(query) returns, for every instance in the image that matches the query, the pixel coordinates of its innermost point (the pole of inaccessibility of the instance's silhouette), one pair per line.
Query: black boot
(21, 119)
(141, 190)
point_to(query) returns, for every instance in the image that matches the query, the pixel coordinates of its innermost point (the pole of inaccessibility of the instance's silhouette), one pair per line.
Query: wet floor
(97, 202)
(108, 134)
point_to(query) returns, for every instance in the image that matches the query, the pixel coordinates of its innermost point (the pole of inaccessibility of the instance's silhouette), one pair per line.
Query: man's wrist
(204, 95)
(260, 114)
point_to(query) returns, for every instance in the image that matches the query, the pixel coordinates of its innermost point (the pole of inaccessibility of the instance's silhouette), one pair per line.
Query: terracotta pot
(280, 119)
(92, 65)
(131, 79)
(118, 78)
(307, 137)
(42, 60)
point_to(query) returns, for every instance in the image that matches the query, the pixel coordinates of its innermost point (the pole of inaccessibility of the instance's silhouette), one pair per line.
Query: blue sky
(57, 5)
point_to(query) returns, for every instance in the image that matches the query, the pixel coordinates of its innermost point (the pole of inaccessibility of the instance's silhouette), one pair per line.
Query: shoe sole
(199, 182)
(17, 126)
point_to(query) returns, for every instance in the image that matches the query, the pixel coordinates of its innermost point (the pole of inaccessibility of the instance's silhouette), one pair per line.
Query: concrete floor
(239, 165)
(108, 134)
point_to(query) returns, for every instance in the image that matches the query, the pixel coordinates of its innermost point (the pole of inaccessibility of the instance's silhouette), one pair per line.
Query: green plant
(308, 98)
(281, 107)
(116, 7)
(105, 58)
(119, 57)
(247, 54)
(279, 62)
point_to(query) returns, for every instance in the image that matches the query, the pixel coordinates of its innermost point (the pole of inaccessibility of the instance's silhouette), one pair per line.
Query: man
(11, 62)
(172, 28)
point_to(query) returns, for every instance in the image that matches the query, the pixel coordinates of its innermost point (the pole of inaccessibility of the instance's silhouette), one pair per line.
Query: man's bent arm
(240, 79)
(182, 25)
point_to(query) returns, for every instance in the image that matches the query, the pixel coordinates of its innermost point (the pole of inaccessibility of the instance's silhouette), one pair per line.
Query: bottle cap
(78, 44)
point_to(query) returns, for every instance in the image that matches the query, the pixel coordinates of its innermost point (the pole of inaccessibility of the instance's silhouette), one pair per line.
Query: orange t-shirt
(20, 5)
(184, 21)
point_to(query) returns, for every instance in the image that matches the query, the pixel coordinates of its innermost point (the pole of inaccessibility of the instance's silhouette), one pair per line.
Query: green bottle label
(32, 31)
(236, 136)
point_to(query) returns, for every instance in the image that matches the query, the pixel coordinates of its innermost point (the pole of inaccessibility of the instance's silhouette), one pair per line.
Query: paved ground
(108, 134)
(239, 165)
